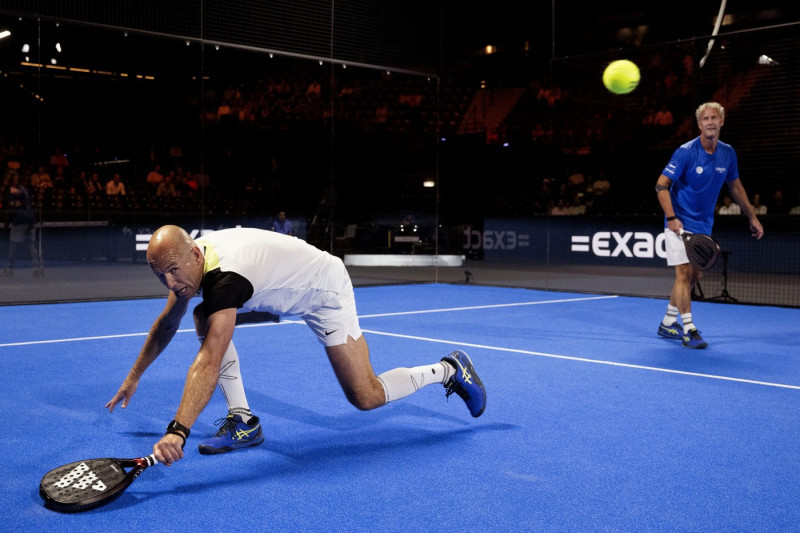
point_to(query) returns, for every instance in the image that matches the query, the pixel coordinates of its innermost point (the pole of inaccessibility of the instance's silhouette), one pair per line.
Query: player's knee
(365, 400)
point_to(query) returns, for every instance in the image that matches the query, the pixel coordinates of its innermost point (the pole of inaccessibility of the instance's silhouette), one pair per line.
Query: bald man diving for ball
(242, 270)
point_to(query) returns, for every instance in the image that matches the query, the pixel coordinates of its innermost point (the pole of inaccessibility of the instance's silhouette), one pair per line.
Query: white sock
(230, 383)
(400, 382)
(672, 315)
(686, 318)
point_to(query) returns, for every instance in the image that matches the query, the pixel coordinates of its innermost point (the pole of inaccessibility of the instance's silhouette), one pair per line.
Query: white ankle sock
(672, 315)
(688, 325)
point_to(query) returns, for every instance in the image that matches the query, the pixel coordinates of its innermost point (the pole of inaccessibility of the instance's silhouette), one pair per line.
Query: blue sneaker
(466, 383)
(675, 331)
(692, 339)
(233, 434)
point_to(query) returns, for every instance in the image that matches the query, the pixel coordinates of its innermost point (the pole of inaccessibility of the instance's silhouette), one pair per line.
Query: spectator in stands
(663, 117)
(758, 207)
(202, 179)
(22, 222)
(167, 187)
(282, 224)
(41, 179)
(560, 208)
(577, 207)
(729, 207)
(94, 186)
(687, 191)
(75, 198)
(59, 159)
(188, 184)
(778, 206)
(155, 177)
(115, 187)
(796, 209)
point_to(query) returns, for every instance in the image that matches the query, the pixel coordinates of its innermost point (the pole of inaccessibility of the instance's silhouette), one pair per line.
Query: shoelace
(455, 387)
(225, 425)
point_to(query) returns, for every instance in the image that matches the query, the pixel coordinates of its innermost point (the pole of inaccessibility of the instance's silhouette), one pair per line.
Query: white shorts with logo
(676, 250)
(337, 319)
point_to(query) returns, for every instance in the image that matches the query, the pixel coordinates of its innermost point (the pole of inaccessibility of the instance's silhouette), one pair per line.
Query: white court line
(76, 339)
(585, 360)
(458, 343)
(492, 306)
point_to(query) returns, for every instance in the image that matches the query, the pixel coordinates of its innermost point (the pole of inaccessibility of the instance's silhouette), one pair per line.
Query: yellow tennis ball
(621, 77)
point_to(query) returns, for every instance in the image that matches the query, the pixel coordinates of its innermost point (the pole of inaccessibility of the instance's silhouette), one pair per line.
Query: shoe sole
(698, 347)
(206, 450)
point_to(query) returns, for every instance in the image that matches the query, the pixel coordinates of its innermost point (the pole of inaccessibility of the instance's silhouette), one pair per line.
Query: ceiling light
(4, 34)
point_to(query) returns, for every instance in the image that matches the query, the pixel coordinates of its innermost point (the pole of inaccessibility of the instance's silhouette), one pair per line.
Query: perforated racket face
(82, 482)
(703, 251)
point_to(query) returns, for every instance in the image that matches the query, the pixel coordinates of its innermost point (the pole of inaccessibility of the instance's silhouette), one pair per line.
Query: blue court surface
(593, 422)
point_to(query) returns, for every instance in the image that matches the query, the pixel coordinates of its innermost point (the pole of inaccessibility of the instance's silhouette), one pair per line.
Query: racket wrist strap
(673, 217)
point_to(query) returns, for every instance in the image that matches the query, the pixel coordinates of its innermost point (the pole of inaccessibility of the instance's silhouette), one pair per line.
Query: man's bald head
(176, 260)
(169, 239)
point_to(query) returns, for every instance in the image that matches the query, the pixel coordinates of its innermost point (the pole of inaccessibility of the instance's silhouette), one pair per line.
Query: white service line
(584, 360)
(492, 306)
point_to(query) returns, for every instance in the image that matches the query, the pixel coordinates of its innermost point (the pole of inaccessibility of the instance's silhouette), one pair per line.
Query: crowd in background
(548, 121)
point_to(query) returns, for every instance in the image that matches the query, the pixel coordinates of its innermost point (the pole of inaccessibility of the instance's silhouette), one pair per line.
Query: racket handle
(151, 460)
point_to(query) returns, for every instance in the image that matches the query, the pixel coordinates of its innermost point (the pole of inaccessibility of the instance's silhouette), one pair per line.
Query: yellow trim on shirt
(210, 254)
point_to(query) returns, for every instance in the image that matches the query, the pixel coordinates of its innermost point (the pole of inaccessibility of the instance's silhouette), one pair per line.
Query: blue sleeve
(677, 164)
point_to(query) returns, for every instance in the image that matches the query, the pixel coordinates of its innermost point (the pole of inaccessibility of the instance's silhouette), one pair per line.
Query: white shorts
(676, 249)
(337, 319)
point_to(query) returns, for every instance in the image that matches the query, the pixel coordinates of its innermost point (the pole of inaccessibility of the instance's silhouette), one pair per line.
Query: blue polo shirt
(697, 179)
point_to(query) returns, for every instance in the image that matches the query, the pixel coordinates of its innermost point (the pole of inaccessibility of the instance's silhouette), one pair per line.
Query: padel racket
(702, 250)
(84, 485)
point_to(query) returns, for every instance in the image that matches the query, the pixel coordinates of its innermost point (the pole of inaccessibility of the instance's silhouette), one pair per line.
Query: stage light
(429, 184)
(4, 34)
(58, 47)
(26, 48)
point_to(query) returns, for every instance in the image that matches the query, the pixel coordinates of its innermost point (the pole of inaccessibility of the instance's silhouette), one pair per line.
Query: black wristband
(176, 428)
(671, 218)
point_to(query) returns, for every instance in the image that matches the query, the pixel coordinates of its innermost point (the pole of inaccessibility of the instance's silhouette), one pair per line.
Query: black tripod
(725, 296)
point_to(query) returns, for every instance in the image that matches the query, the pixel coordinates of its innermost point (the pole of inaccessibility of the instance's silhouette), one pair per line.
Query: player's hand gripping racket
(84, 485)
(702, 250)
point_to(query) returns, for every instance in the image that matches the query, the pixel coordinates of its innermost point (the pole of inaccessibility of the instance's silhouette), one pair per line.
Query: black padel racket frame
(84, 485)
(702, 250)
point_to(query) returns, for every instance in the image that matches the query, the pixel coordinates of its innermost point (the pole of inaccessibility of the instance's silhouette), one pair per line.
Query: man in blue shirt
(282, 224)
(687, 190)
